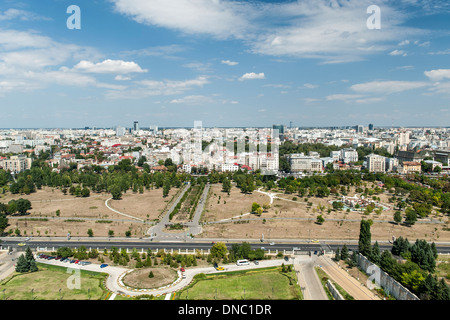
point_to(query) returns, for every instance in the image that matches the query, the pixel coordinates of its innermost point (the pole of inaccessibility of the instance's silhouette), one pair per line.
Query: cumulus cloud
(109, 66)
(230, 63)
(438, 75)
(251, 76)
(388, 87)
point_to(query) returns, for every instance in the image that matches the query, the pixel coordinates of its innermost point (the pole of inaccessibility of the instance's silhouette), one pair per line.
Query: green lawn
(267, 283)
(47, 282)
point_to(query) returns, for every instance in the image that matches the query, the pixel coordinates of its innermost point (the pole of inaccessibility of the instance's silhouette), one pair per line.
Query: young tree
(375, 255)
(344, 252)
(364, 244)
(398, 217)
(320, 219)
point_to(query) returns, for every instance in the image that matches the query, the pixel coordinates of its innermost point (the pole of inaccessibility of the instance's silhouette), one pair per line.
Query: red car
(77, 261)
(182, 270)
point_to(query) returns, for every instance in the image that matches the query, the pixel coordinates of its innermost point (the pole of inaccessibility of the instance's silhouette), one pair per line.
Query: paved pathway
(194, 227)
(352, 286)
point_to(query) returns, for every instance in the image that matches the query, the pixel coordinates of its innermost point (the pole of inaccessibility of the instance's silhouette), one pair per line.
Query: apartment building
(349, 155)
(411, 167)
(16, 164)
(299, 163)
(376, 163)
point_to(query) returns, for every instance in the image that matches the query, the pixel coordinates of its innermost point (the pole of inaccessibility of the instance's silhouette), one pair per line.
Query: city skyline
(226, 63)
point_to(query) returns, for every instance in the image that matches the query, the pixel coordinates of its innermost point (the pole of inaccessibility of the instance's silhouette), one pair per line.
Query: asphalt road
(182, 245)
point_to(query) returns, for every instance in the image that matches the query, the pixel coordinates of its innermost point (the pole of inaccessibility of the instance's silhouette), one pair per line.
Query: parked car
(256, 262)
(182, 269)
(72, 261)
(286, 258)
(77, 261)
(84, 263)
(104, 265)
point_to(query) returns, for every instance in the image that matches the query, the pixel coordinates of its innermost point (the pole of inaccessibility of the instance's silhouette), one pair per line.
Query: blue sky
(226, 63)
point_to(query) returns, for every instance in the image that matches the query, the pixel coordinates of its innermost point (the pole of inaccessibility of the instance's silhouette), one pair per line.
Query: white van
(242, 262)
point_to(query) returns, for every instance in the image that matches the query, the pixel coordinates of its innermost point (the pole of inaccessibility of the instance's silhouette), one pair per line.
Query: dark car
(104, 265)
(286, 258)
(72, 261)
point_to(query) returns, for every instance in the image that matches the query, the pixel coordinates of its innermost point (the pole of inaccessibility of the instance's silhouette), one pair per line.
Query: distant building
(411, 166)
(120, 131)
(280, 129)
(370, 127)
(442, 156)
(376, 163)
(136, 126)
(299, 163)
(349, 155)
(16, 164)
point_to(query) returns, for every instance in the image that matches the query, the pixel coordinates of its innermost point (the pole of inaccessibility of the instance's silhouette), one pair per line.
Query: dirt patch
(139, 278)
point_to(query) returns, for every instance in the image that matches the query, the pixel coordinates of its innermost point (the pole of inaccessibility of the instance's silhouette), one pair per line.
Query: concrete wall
(336, 295)
(385, 280)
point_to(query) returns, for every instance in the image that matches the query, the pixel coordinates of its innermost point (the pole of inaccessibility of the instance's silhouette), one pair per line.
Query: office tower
(136, 126)
(280, 129)
(371, 127)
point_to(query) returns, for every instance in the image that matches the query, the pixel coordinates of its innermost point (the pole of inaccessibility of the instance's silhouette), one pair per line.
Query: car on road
(220, 268)
(182, 269)
(256, 262)
(272, 243)
(262, 248)
(315, 241)
(103, 265)
(72, 261)
(84, 263)
(21, 244)
(77, 261)
(286, 258)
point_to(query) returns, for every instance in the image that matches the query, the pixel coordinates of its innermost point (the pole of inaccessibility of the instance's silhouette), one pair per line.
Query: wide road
(183, 245)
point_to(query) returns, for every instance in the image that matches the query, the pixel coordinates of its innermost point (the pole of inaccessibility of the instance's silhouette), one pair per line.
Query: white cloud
(230, 63)
(252, 75)
(388, 87)
(310, 86)
(221, 19)
(122, 78)
(438, 75)
(342, 97)
(193, 100)
(110, 66)
(398, 53)
(23, 15)
(332, 30)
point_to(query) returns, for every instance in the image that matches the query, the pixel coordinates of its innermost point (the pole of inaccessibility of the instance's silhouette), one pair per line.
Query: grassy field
(260, 284)
(51, 283)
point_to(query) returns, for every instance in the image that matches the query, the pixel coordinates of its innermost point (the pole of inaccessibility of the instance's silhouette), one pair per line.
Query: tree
(320, 219)
(219, 250)
(255, 206)
(364, 243)
(116, 192)
(226, 185)
(375, 254)
(344, 252)
(22, 265)
(337, 255)
(90, 233)
(85, 192)
(410, 216)
(398, 217)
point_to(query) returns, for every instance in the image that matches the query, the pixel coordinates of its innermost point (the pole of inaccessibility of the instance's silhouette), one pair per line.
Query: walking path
(158, 231)
(352, 286)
